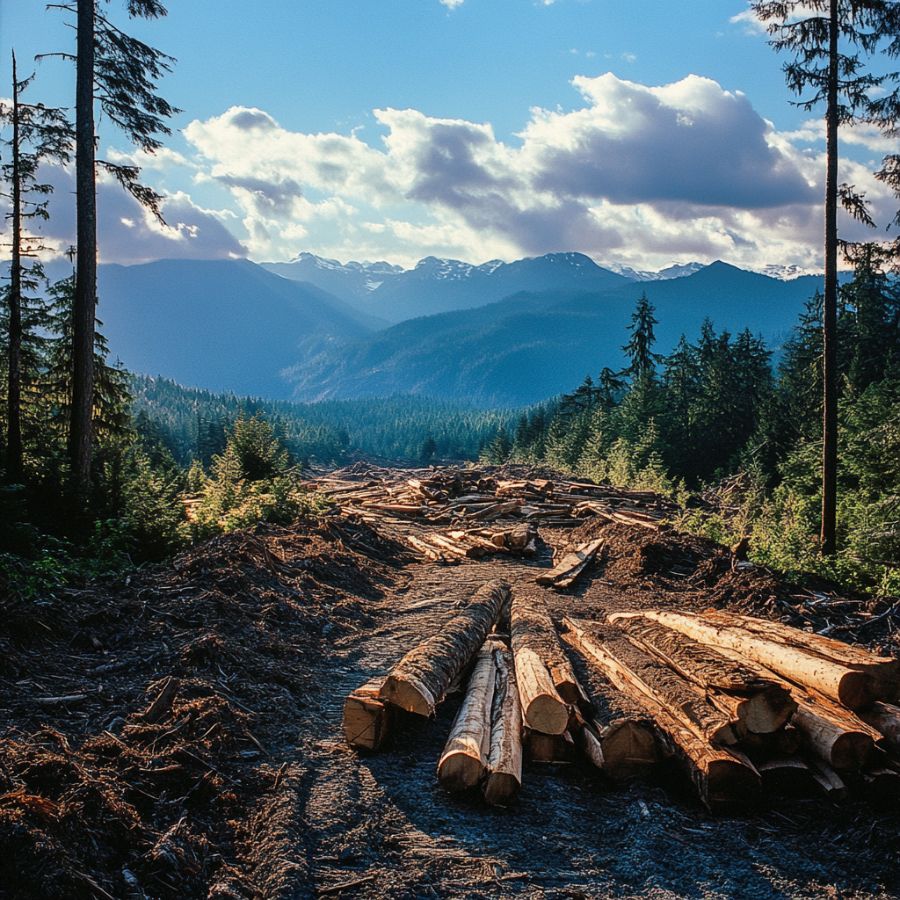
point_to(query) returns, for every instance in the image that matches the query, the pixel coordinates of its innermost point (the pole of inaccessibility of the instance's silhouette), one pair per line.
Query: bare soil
(237, 783)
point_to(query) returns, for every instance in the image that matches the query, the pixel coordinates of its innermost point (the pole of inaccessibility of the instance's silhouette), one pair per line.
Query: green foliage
(252, 480)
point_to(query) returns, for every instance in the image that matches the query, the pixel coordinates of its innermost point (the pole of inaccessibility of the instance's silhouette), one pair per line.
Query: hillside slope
(534, 345)
(226, 325)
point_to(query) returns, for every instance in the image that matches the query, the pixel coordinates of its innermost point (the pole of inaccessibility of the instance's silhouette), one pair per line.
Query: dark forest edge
(713, 425)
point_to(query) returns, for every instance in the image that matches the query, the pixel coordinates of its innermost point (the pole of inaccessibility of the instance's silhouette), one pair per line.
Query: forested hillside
(715, 416)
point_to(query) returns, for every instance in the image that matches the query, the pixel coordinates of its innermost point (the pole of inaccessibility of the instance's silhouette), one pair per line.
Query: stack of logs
(486, 513)
(742, 704)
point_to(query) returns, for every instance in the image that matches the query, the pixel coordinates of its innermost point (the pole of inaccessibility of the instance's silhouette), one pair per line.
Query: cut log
(623, 748)
(550, 748)
(464, 761)
(571, 565)
(722, 778)
(542, 707)
(852, 688)
(504, 778)
(832, 737)
(496, 510)
(648, 676)
(532, 627)
(784, 742)
(885, 718)
(367, 719)
(427, 549)
(828, 780)
(759, 704)
(421, 679)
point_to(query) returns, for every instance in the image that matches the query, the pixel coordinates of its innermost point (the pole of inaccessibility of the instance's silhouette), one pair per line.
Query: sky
(643, 134)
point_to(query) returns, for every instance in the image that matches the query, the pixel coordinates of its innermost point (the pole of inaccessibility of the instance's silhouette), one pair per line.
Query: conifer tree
(39, 134)
(830, 42)
(120, 73)
(640, 346)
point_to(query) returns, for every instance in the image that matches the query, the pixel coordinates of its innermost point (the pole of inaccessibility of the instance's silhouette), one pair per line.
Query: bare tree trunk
(14, 359)
(80, 430)
(829, 304)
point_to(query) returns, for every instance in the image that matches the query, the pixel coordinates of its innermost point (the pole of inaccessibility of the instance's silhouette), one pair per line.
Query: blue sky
(481, 128)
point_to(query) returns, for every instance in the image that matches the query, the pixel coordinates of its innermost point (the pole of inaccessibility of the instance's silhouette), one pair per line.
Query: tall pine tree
(830, 42)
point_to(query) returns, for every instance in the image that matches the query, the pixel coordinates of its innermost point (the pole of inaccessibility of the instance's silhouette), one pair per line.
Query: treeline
(717, 417)
(193, 424)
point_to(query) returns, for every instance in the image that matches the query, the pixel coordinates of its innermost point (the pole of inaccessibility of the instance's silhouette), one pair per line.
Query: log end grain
(730, 784)
(857, 690)
(768, 711)
(459, 771)
(547, 714)
(408, 694)
(629, 748)
(501, 788)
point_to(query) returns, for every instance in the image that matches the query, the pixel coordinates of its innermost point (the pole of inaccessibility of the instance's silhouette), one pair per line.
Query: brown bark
(722, 778)
(421, 679)
(85, 301)
(829, 300)
(367, 719)
(14, 468)
(851, 687)
(761, 705)
(648, 676)
(504, 777)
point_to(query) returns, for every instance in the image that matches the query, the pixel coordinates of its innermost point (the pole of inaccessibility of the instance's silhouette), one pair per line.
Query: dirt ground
(177, 735)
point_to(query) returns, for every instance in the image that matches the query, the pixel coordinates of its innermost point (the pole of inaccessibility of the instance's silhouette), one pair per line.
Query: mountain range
(436, 285)
(494, 334)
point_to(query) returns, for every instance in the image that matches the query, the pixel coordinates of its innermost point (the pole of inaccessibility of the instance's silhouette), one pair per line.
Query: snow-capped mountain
(679, 270)
(436, 285)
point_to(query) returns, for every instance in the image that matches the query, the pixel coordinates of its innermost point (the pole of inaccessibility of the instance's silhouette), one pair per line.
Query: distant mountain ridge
(232, 325)
(533, 345)
(436, 285)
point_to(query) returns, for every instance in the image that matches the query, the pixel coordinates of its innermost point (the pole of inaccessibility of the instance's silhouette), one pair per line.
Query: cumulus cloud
(640, 173)
(129, 234)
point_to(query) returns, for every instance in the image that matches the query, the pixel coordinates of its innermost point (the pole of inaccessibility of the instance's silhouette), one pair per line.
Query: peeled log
(571, 565)
(722, 778)
(465, 757)
(532, 627)
(504, 777)
(622, 748)
(885, 670)
(884, 718)
(421, 679)
(367, 719)
(852, 688)
(542, 707)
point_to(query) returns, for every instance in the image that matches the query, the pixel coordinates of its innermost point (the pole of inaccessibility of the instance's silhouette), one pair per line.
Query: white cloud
(451, 4)
(749, 21)
(127, 233)
(640, 173)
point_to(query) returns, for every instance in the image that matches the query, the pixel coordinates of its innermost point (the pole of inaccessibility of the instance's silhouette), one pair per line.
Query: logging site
(454, 682)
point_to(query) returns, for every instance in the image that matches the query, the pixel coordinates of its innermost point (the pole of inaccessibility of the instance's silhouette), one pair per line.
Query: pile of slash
(746, 706)
(486, 511)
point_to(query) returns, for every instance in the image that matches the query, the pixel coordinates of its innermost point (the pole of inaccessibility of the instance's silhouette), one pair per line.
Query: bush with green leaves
(252, 480)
